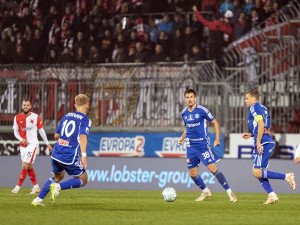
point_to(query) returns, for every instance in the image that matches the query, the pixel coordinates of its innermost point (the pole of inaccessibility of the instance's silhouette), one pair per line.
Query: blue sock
(272, 175)
(199, 182)
(72, 183)
(222, 180)
(45, 190)
(266, 185)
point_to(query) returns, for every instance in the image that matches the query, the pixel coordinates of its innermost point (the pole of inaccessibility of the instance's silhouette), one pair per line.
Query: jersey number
(206, 155)
(65, 128)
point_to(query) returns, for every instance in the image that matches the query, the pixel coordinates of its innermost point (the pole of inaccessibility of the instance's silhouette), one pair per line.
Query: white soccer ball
(169, 194)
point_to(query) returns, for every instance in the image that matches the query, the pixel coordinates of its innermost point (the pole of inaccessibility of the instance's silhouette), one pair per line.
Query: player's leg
(22, 177)
(222, 180)
(192, 163)
(58, 175)
(31, 173)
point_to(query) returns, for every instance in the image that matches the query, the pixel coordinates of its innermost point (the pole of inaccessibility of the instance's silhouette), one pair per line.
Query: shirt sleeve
(297, 153)
(85, 127)
(207, 114)
(16, 130)
(43, 135)
(255, 111)
(39, 123)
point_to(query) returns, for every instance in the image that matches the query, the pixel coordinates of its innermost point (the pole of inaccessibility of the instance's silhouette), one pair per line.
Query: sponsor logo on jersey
(193, 124)
(26, 128)
(190, 118)
(121, 146)
(63, 142)
(171, 148)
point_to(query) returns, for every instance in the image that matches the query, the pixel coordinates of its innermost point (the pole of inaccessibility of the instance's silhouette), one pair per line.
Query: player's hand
(24, 142)
(195, 8)
(246, 135)
(260, 148)
(297, 160)
(180, 141)
(50, 147)
(84, 162)
(216, 143)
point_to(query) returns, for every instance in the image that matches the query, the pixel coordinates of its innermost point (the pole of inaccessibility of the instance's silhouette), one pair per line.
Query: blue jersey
(255, 110)
(195, 123)
(67, 148)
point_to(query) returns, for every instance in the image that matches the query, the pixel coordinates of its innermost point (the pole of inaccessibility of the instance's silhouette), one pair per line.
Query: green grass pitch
(146, 207)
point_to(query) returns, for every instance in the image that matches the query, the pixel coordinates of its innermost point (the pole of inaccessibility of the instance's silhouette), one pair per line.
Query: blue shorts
(197, 153)
(75, 169)
(262, 161)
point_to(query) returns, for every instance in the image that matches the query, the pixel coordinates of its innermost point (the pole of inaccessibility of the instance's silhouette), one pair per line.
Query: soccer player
(25, 130)
(259, 123)
(198, 148)
(297, 155)
(71, 135)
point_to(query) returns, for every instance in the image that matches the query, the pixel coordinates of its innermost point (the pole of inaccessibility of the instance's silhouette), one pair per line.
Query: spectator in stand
(53, 45)
(37, 47)
(27, 17)
(79, 21)
(178, 46)
(260, 9)
(217, 31)
(19, 56)
(197, 27)
(164, 41)
(54, 31)
(131, 54)
(160, 55)
(103, 27)
(153, 30)
(37, 16)
(80, 56)
(94, 55)
(176, 5)
(69, 40)
(120, 54)
(80, 42)
(198, 53)
(133, 39)
(6, 46)
(118, 30)
(148, 44)
(107, 45)
(69, 16)
(255, 20)
(166, 24)
(237, 10)
(190, 40)
(226, 5)
(248, 8)
(179, 23)
(241, 27)
(66, 56)
(141, 54)
(53, 58)
(50, 18)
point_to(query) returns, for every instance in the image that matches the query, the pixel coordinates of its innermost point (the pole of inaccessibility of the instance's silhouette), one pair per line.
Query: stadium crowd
(103, 31)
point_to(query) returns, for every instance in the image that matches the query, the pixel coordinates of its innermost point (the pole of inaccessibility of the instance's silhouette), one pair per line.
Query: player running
(198, 148)
(25, 129)
(71, 135)
(259, 123)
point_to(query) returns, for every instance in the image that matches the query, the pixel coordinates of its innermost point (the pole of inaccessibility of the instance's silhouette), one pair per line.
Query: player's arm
(217, 132)
(246, 135)
(17, 134)
(83, 144)
(209, 24)
(297, 155)
(45, 139)
(183, 136)
(260, 131)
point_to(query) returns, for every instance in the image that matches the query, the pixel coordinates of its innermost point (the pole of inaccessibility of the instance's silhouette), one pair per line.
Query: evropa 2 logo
(121, 146)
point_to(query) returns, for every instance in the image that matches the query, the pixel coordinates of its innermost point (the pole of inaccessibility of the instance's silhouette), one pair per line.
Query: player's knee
(257, 174)
(193, 174)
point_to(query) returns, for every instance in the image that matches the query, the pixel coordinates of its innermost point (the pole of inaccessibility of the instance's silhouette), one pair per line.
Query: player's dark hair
(189, 90)
(253, 93)
(26, 100)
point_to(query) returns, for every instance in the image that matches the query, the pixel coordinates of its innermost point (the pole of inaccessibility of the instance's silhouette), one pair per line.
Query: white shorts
(28, 153)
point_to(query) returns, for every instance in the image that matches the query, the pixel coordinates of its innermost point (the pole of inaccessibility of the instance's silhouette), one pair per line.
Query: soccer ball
(169, 194)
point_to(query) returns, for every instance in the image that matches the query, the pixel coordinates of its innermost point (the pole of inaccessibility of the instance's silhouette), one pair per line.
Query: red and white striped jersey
(27, 127)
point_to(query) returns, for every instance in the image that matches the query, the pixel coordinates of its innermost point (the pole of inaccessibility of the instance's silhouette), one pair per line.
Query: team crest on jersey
(190, 118)
(197, 116)
(171, 148)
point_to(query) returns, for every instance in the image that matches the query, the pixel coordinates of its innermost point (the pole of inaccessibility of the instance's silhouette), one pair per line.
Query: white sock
(39, 199)
(205, 190)
(272, 193)
(18, 187)
(36, 186)
(229, 191)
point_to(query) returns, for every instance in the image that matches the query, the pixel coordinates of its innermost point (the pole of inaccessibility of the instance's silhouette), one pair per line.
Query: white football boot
(203, 196)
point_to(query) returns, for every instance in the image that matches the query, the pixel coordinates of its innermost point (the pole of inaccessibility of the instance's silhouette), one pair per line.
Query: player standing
(25, 130)
(259, 123)
(198, 148)
(71, 135)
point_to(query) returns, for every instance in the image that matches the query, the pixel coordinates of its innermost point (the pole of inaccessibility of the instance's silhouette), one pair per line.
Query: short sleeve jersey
(255, 110)
(27, 126)
(72, 125)
(196, 123)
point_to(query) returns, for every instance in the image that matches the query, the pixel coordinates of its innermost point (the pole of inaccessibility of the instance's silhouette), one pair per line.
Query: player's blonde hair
(253, 93)
(82, 100)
